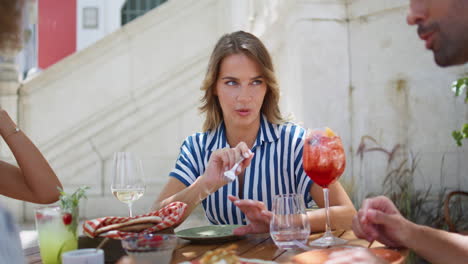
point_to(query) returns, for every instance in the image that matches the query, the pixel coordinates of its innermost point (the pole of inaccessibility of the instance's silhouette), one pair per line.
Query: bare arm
(437, 246)
(379, 219)
(34, 180)
(176, 191)
(341, 208)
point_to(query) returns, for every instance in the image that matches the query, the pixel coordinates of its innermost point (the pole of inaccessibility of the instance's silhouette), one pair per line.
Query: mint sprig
(69, 203)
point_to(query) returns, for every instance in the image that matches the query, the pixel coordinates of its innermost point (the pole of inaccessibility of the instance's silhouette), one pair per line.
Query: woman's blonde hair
(251, 46)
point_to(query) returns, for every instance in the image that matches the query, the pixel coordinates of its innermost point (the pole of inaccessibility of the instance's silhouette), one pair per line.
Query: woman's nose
(244, 94)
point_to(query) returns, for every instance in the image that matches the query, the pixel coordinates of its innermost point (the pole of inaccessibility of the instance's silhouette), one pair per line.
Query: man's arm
(380, 220)
(438, 246)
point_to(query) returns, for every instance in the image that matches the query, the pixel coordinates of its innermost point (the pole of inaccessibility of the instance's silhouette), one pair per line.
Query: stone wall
(400, 96)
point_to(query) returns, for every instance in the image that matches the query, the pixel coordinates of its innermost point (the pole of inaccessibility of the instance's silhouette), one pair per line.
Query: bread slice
(134, 224)
(135, 228)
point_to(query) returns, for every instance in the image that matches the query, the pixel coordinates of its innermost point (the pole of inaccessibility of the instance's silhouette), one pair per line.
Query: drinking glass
(324, 161)
(84, 256)
(127, 181)
(289, 225)
(150, 248)
(56, 233)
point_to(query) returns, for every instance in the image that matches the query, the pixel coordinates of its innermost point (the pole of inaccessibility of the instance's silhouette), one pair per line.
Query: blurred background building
(116, 75)
(55, 29)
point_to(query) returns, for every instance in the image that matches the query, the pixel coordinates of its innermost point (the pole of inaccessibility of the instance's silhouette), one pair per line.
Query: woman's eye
(257, 82)
(231, 83)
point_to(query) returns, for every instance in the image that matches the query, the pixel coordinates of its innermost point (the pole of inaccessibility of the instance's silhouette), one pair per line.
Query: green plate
(211, 233)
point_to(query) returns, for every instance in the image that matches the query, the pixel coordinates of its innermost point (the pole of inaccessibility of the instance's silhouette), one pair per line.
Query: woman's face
(240, 88)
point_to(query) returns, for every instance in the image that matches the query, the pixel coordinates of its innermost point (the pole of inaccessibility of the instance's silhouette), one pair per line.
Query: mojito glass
(56, 232)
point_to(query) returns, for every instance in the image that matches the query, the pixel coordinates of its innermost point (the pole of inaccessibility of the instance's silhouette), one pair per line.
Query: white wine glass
(127, 180)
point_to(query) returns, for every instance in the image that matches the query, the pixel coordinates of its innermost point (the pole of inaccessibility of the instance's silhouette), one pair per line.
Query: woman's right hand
(222, 160)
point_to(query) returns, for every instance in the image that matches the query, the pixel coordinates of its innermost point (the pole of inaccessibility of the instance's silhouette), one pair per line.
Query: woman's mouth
(243, 112)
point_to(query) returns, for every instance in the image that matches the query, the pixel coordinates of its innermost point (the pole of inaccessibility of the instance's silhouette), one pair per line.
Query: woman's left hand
(358, 255)
(257, 213)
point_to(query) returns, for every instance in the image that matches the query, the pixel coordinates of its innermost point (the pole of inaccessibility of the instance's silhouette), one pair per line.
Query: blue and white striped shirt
(276, 168)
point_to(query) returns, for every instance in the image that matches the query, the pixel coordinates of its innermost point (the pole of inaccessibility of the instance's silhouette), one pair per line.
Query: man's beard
(450, 45)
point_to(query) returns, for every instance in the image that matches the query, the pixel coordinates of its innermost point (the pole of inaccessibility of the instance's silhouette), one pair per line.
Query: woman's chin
(245, 122)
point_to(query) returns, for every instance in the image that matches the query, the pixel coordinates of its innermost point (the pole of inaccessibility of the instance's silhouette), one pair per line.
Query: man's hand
(379, 219)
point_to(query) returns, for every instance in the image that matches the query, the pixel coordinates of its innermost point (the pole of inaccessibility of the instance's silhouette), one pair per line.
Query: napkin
(122, 227)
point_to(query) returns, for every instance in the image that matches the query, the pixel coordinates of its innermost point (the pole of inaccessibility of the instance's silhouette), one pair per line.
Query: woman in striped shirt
(243, 120)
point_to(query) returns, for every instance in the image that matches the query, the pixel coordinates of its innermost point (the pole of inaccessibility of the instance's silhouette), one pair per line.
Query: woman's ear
(215, 90)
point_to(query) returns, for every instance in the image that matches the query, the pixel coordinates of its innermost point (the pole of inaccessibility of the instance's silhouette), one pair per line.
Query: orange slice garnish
(329, 132)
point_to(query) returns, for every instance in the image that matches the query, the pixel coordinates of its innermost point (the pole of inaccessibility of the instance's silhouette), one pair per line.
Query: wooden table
(253, 246)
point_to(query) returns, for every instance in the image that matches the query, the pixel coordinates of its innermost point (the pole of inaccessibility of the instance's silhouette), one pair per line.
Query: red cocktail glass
(324, 161)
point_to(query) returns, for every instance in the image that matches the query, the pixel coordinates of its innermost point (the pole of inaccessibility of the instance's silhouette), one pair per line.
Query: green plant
(69, 204)
(398, 181)
(351, 188)
(419, 206)
(369, 144)
(458, 212)
(398, 184)
(458, 87)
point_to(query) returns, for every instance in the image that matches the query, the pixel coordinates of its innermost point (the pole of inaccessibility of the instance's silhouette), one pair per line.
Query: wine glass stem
(327, 213)
(130, 209)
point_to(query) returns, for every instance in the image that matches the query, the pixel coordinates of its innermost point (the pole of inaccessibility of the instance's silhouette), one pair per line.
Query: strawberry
(157, 238)
(67, 218)
(39, 216)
